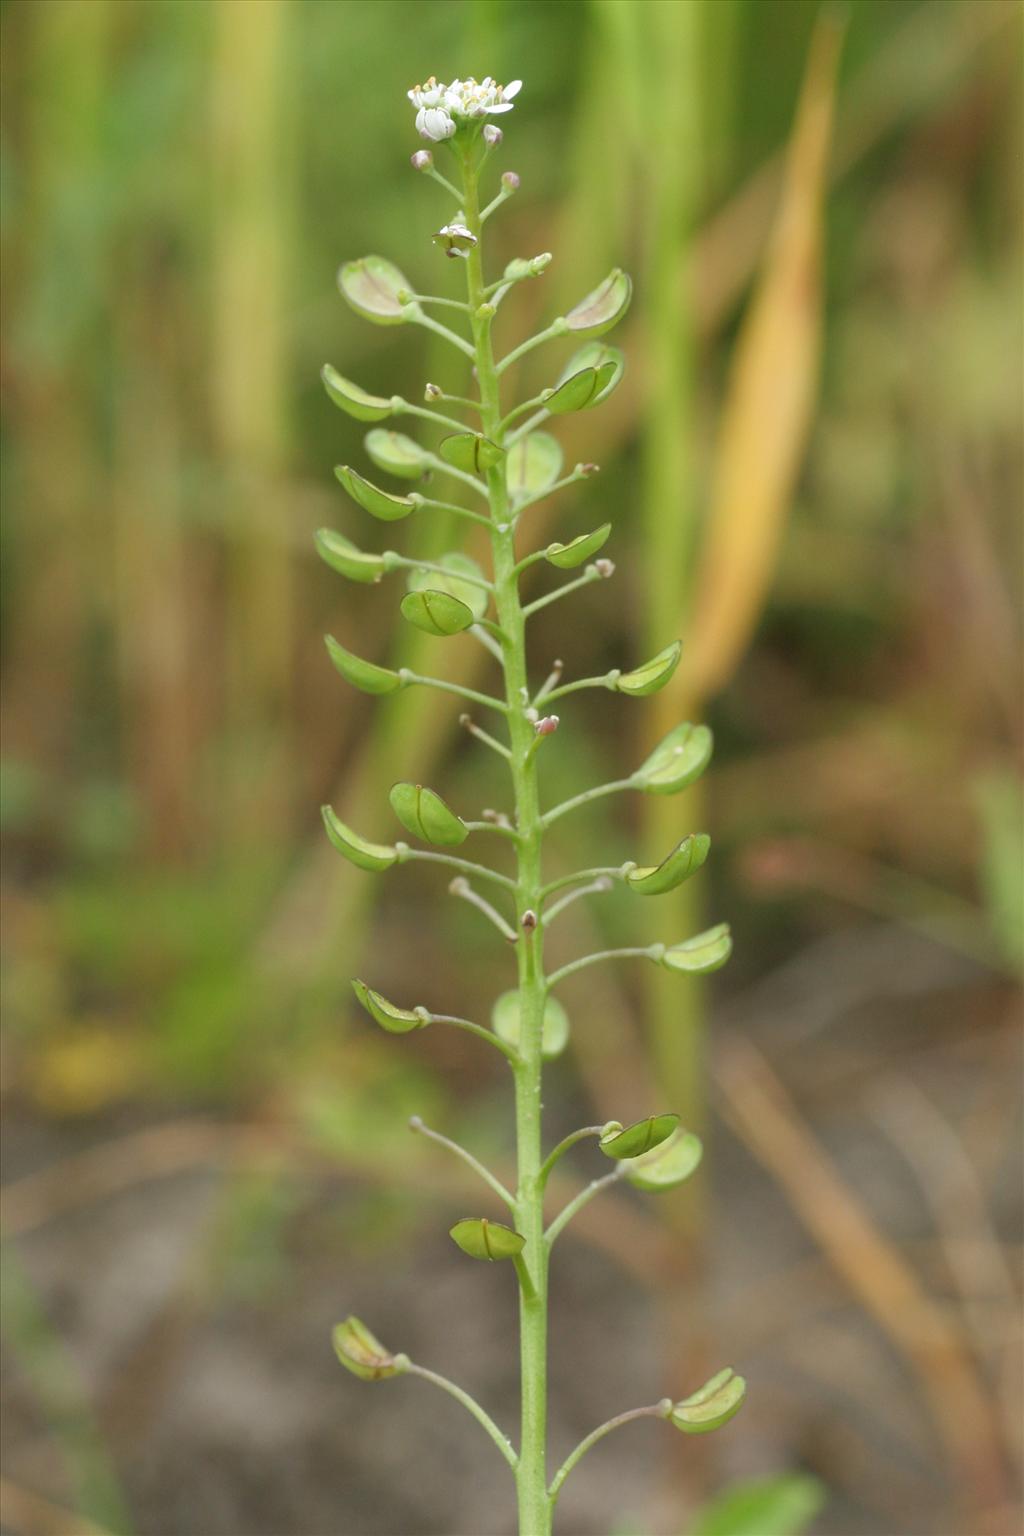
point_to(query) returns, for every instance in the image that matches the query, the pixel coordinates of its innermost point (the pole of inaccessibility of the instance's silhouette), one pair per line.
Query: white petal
(512, 89)
(434, 123)
(504, 106)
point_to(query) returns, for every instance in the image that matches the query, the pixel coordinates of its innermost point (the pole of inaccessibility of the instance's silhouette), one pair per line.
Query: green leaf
(554, 1030)
(668, 1164)
(373, 500)
(602, 308)
(684, 860)
(704, 953)
(483, 1239)
(397, 1021)
(639, 1138)
(458, 567)
(362, 1354)
(372, 285)
(362, 674)
(678, 759)
(595, 354)
(580, 391)
(471, 452)
(654, 674)
(534, 464)
(714, 1405)
(771, 1506)
(364, 855)
(436, 613)
(579, 549)
(342, 555)
(396, 454)
(355, 401)
(423, 813)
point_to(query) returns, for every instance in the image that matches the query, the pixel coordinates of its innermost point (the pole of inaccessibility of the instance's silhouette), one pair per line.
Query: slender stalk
(417, 1125)
(465, 866)
(633, 952)
(583, 1198)
(655, 1410)
(590, 574)
(469, 1403)
(531, 1468)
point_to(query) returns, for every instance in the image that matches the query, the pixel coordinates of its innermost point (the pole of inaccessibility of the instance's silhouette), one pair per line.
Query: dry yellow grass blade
(770, 401)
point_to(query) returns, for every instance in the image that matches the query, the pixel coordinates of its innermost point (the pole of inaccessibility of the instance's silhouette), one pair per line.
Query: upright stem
(531, 1470)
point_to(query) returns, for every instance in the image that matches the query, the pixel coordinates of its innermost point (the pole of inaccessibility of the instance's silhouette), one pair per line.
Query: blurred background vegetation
(814, 468)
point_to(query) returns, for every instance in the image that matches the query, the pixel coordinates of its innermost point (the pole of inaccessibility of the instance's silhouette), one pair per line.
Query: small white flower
(456, 239)
(441, 108)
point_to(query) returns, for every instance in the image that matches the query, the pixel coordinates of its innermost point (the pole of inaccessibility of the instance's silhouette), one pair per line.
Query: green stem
(655, 1411)
(417, 1125)
(583, 1198)
(531, 1469)
(633, 952)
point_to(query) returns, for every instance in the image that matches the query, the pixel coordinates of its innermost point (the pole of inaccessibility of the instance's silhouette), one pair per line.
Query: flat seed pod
(704, 953)
(350, 398)
(483, 1239)
(714, 1405)
(363, 854)
(362, 674)
(668, 1165)
(397, 1021)
(457, 567)
(396, 454)
(343, 556)
(639, 1138)
(362, 1354)
(678, 759)
(581, 390)
(579, 549)
(684, 860)
(423, 813)
(372, 285)
(595, 354)
(554, 1031)
(533, 465)
(371, 498)
(654, 674)
(471, 452)
(436, 613)
(602, 308)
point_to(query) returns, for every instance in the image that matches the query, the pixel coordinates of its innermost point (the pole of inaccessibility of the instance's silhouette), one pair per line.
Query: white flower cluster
(440, 108)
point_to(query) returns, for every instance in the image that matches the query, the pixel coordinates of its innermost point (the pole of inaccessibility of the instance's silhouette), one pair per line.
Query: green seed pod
(579, 549)
(678, 759)
(436, 613)
(396, 454)
(580, 390)
(533, 465)
(457, 568)
(343, 556)
(554, 1030)
(372, 286)
(423, 813)
(602, 308)
(654, 674)
(684, 860)
(483, 1239)
(365, 675)
(667, 1165)
(350, 398)
(397, 1021)
(371, 498)
(714, 1405)
(471, 452)
(704, 953)
(639, 1138)
(595, 354)
(363, 1355)
(363, 854)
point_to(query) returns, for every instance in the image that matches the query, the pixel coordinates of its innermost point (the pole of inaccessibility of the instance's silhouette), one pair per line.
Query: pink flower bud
(548, 726)
(492, 134)
(422, 160)
(605, 567)
(510, 181)
(588, 469)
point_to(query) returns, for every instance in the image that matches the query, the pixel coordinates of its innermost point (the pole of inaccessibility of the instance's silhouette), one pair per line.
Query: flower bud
(529, 919)
(510, 181)
(433, 392)
(586, 470)
(492, 135)
(538, 263)
(422, 160)
(548, 726)
(605, 568)
(456, 239)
